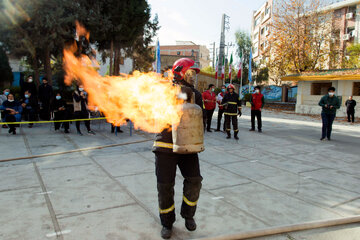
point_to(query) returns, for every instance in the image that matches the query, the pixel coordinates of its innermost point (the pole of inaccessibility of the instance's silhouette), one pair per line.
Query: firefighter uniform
(166, 162)
(231, 102)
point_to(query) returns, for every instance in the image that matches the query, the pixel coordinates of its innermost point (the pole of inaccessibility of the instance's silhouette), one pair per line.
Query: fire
(147, 99)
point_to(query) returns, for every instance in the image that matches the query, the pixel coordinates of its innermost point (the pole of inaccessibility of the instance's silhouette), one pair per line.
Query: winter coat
(80, 103)
(350, 105)
(327, 101)
(45, 93)
(13, 105)
(209, 99)
(257, 101)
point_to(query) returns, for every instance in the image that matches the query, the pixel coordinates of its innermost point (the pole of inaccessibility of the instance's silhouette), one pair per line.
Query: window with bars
(356, 89)
(320, 88)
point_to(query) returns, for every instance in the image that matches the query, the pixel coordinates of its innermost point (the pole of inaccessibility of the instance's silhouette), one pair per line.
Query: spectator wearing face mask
(12, 111)
(329, 103)
(29, 85)
(3, 98)
(80, 109)
(60, 109)
(257, 103)
(350, 109)
(45, 97)
(30, 106)
(209, 98)
(219, 98)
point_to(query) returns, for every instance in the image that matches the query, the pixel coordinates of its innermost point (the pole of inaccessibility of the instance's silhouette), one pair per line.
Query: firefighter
(166, 162)
(232, 105)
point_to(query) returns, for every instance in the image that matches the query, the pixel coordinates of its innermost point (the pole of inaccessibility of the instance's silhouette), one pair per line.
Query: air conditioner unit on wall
(346, 37)
(349, 15)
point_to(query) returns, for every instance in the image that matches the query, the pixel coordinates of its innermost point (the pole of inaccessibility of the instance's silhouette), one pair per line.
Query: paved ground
(282, 176)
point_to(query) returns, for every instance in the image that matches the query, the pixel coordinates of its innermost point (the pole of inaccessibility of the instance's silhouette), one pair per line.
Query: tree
(300, 37)
(209, 70)
(5, 69)
(353, 60)
(244, 45)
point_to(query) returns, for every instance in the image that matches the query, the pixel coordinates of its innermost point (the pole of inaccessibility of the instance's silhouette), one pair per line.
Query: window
(320, 88)
(267, 11)
(262, 31)
(257, 21)
(178, 53)
(356, 89)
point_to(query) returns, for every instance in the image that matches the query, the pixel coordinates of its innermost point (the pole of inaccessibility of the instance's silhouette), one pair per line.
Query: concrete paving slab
(337, 178)
(12, 140)
(350, 206)
(125, 164)
(272, 206)
(252, 170)
(216, 156)
(82, 189)
(128, 222)
(17, 177)
(24, 215)
(65, 160)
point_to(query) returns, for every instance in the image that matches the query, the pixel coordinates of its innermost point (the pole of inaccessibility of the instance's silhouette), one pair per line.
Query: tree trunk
(116, 62)
(111, 71)
(47, 64)
(36, 71)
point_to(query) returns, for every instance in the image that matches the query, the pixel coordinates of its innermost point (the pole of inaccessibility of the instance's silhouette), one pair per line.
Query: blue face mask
(58, 97)
(223, 90)
(7, 93)
(27, 96)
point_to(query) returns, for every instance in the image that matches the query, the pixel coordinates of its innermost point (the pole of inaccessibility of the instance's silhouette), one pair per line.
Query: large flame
(147, 99)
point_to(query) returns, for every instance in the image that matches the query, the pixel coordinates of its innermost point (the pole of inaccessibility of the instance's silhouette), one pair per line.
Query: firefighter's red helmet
(231, 86)
(181, 66)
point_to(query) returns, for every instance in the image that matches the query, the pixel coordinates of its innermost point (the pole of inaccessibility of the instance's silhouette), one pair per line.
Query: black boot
(190, 224)
(236, 135)
(228, 135)
(166, 232)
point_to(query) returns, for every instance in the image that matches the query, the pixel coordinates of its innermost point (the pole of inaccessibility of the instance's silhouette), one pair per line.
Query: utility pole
(224, 25)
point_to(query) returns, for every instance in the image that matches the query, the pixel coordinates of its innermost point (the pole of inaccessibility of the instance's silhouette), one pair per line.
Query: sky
(200, 20)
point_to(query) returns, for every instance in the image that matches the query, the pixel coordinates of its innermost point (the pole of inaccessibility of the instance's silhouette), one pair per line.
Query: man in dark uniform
(232, 105)
(350, 109)
(166, 161)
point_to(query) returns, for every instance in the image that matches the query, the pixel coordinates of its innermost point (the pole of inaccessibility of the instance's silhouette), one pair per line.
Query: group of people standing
(45, 104)
(229, 105)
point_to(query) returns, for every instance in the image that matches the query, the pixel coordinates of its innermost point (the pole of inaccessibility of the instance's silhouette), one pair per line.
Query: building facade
(199, 53)
(312, 86)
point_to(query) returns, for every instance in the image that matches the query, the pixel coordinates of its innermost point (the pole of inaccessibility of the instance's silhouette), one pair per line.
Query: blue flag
(158, 62)
(250, 60)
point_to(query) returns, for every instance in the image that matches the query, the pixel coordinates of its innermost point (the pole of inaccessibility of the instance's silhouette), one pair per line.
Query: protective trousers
(166, 172)
(228, 119)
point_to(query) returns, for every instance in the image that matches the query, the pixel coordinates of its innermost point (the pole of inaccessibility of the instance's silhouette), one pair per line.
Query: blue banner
(250, 61)
(158, 62)
(272, 93)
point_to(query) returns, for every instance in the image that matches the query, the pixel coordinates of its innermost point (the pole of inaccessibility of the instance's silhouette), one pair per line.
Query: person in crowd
(30, 107)
(350, 109)
(209, 98)
(113, 127)
(257, 103)
(61, 112)
(232, 105)
(29, 85)
(219, 98)
(12, 111)
(45, 97)
(3, 98)
(80, 109)
(329, 103)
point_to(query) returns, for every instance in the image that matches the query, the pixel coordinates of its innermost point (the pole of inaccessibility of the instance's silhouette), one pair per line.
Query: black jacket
(26, 86)
(163, 141)
(350, 105)
(231, 103)
(45, 93)
(56, 104)
(31, 103)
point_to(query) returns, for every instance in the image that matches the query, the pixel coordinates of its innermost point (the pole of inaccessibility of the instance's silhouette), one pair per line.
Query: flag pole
(241, 78)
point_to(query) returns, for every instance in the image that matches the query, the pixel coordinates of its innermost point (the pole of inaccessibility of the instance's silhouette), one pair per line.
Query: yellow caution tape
(54, 121)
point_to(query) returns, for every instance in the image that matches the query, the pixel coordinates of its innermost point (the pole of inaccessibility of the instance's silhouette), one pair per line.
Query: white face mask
(331, 94)
(81, 89)
(257, 91)
(11, 100)
(30, 79)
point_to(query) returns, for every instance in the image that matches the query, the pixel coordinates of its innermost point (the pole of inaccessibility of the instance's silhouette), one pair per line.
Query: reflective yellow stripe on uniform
(164, 211)
(163, 144)
(231, 114)
(192, 204)
(232, 103)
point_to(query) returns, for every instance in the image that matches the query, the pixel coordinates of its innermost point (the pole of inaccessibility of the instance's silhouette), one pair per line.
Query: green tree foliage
(209, 70)
(354, 56)
(243, 42)
(6, 76)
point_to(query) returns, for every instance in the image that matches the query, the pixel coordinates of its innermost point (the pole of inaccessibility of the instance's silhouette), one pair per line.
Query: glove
(239, 112)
